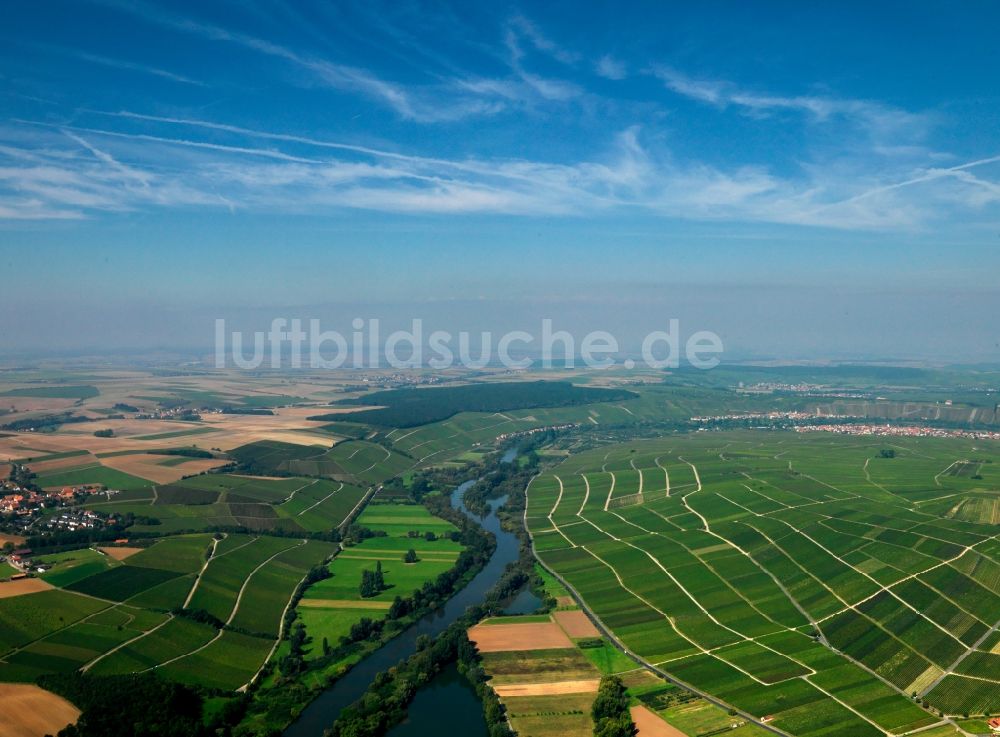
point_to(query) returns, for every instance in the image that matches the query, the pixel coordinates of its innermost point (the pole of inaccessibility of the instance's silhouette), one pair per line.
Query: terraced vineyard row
(293, 505)
(112, 617)
(802, 580)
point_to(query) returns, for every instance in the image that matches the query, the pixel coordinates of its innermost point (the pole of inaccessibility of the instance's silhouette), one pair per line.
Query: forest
(412, 407)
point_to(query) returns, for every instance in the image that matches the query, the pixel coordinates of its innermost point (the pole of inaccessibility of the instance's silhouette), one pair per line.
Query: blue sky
(804, 181)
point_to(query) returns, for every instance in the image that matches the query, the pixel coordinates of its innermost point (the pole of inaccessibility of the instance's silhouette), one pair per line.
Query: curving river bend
(448, 701)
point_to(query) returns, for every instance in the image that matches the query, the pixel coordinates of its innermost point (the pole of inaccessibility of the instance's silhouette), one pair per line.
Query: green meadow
(397, 520)
(109, 477)
(331, 606)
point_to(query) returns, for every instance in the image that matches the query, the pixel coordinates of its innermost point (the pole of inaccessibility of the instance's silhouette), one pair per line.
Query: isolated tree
(411, 556)
(368, 588)
(372, 582)
(619, 726)
(610, 710)
(611, 699)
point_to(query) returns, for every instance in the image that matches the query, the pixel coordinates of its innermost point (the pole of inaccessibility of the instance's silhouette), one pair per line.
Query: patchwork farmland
(544, 681)
(808, 582)
(111, 617)
(545, 669)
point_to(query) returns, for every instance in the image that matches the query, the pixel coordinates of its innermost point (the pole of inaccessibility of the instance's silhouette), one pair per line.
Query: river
(446, 692)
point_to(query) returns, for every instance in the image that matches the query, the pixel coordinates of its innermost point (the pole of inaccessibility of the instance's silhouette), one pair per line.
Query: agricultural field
(114, 610)
(56, 391)
(655, 704)
(60, 418)
(353, 461)
(347, 444)
(226, 500)
(398, 520)
(330, 607)
(466, 431)
(111, 616)
(75, 565)
(541, 677)
(30, 710)
(545, 669)
(809, 580)
(95, 474)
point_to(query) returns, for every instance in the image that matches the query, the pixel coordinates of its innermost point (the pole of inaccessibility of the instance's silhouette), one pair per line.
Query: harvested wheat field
(221, 431)
(530, 636)
(282, 436)
(547, 689)
(34, 404)
(18, 446)
(650, 725)
(285, 418)
(120, 553)
(12, 539)
(30, 711)
(33, 444)
(576, 624)
(22, 586)
(131, 427)
(200, 465)
(149, 466)
(60, 463)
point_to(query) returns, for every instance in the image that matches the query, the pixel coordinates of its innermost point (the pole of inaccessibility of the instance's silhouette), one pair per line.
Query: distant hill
(412, 407)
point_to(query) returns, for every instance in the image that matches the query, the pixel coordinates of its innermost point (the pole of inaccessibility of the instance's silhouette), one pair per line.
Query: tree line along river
(448, 702)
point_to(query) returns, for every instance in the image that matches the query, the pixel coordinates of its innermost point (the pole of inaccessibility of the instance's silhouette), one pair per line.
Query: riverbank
(323, 711)
(385, 703)
(299, 675)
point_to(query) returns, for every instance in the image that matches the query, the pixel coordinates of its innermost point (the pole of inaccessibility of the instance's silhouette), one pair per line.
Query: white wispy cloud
(126, 171)
(521, 28)
(266, 153)
(99, 170)
(988, 191)
(611, 68)
(133, 67)
(880, 119)
(258, 178)
(862, 164)
(422, 105)
(430, 103)
(442, 99)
